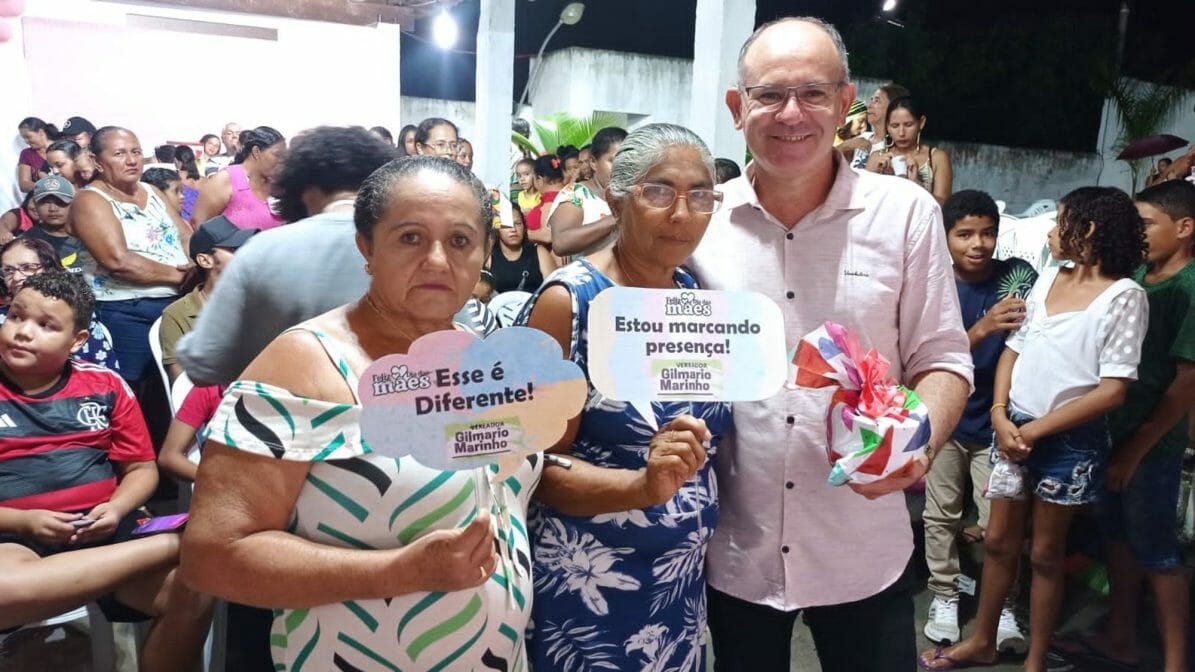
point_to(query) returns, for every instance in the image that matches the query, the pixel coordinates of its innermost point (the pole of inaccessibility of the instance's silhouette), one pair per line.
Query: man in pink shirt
(826, 243)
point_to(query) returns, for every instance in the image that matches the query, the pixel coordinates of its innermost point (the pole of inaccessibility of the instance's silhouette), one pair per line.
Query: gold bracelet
(995, 406)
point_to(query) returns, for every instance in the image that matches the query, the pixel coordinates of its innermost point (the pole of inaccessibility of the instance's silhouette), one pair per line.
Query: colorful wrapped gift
(874, 426)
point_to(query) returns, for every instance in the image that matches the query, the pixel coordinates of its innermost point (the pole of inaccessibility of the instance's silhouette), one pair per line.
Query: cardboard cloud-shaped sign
(455, 401)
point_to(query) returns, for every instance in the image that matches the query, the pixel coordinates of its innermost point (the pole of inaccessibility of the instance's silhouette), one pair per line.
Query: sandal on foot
(951, 663)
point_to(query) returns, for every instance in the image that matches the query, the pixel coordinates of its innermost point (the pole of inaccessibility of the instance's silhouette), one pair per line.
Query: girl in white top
(1068, 365)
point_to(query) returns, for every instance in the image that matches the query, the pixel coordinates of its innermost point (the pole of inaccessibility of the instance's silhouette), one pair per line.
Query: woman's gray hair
(377, 191)
(645, 147)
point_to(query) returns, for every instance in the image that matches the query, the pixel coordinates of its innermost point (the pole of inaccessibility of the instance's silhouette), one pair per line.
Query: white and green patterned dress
(355, 499)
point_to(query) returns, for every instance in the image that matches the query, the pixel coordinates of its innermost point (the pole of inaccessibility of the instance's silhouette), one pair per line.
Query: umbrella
(1151, 146)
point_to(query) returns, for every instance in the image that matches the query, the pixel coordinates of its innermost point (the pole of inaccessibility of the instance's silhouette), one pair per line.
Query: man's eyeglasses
(701, 201)
(815, 96)
(24, 269)
(443, 146)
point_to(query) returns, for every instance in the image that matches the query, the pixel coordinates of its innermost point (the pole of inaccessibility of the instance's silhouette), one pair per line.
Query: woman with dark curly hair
(1068, 365)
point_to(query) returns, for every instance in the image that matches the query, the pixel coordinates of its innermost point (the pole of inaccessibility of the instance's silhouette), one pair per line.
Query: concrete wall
(579, 81)
(1020, 176)
(460, 112)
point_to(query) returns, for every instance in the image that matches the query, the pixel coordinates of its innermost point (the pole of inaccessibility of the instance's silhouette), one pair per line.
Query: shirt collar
(848, 193)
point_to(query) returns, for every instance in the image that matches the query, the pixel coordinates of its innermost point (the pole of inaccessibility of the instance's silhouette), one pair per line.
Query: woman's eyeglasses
(443, 146)
(24, 269)
(701, 201)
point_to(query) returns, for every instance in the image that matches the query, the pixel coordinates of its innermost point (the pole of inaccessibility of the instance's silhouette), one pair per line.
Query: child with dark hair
(570, 157)
(992, 297)
(168, 182)
(28, 256)
(1149, 436)
(76, 463)
(549, 181)
(1061, 373)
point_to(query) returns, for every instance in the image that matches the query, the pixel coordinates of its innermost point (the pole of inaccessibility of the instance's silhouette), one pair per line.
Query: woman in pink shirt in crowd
(38, 135)
(240, 191)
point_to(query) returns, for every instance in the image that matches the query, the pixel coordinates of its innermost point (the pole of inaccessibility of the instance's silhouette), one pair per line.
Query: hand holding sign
(457, 402)
(676, 453)
(684, 345)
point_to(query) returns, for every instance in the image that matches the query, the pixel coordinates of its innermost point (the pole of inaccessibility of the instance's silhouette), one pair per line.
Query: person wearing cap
(78, 130)
(212, 247)
(52, 197)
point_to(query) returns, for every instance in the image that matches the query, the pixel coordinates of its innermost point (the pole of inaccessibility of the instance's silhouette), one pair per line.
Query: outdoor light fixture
(444, 31)
(572, 13)
(569, 16)
(889, 5)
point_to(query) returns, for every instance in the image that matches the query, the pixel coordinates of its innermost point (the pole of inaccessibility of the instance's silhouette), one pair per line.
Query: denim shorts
(1143, 515)
(1066, 468)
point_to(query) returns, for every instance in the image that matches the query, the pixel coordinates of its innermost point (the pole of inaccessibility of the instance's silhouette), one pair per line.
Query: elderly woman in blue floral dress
(619, 538)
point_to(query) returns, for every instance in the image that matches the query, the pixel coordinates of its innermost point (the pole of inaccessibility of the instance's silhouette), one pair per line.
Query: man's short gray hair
(645, 147)
(828, 27)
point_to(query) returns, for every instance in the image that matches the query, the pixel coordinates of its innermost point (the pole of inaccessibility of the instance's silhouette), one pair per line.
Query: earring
(367, 271)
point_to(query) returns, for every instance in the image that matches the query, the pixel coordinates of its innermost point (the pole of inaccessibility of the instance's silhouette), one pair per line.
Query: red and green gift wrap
(874, 426)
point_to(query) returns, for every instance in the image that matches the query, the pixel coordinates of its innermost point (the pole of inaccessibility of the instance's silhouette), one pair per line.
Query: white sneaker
(942, 625)
(1008, 634)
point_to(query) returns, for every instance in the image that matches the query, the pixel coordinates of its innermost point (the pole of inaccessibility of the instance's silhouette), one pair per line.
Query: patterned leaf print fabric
(355, 499)
(622, 591)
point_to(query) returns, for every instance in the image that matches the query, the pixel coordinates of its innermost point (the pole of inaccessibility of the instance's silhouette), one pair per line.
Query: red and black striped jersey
(57, 447)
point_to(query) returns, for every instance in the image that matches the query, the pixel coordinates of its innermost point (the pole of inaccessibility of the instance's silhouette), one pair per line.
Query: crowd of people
(249, 283)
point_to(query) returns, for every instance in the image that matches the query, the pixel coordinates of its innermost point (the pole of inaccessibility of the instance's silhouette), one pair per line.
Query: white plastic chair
(103, 638)
(1026, 239)
(214, 648)
(507, 305)
(1039, 208)
(155, 348)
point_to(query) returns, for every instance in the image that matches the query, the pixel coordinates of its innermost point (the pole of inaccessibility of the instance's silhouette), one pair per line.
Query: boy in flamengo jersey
(75, 464)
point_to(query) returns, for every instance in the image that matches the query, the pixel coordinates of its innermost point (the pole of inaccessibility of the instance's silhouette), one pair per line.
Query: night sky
(945, 36)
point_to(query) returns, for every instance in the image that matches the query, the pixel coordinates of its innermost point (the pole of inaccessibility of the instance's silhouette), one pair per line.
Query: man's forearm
(945, 393)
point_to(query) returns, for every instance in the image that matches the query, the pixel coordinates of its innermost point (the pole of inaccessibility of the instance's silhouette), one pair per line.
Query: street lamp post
(569, 16)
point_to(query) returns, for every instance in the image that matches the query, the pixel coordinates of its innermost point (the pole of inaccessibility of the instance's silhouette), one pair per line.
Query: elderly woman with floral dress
(620, 536)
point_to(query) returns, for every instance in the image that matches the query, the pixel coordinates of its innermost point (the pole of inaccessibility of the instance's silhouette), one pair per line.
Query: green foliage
(558, 129)
(1143, 109)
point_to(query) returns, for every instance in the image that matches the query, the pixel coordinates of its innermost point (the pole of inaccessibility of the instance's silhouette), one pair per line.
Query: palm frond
(559, 128)
(524, 143)
(1142, 109)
